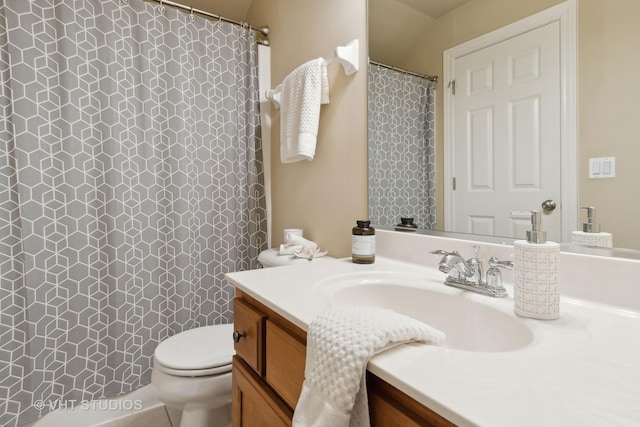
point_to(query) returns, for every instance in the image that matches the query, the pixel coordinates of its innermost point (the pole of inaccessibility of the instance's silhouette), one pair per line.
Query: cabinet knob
(238, 335)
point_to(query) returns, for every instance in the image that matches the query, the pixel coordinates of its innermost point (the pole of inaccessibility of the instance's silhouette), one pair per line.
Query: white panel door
(507, 134)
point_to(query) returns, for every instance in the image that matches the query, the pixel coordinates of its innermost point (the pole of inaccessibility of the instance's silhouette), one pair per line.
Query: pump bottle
(536, 274)
(591, 234)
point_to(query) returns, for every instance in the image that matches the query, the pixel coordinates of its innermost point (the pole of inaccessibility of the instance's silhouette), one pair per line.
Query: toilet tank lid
(198, 348)
(272, 258)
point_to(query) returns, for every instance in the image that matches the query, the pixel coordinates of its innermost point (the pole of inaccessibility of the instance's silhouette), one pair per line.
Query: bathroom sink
(468, 324)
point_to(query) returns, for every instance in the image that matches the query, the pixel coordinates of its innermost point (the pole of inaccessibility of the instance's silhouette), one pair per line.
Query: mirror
(412, 35)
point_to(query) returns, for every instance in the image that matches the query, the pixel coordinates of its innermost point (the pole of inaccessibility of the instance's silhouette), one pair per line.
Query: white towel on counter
(301, 94)
(300, 247)
(339, 344)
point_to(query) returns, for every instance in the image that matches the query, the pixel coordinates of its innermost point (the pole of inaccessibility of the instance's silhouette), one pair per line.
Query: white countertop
(582, 369)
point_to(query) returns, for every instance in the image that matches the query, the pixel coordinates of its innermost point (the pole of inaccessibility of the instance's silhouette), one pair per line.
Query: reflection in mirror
(504, 144)
(413, 34)
(401, 147)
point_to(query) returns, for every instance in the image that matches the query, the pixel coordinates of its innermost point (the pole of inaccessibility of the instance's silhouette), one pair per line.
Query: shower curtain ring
(125, 1)
(244, 29)
(161, 7)
(192, 17)
(220, 24)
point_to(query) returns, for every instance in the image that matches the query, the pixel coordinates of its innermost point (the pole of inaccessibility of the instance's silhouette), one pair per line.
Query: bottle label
(363, 245)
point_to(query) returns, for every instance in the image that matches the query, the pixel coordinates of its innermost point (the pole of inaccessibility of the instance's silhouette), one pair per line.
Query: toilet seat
(224, 369)
(197, 352)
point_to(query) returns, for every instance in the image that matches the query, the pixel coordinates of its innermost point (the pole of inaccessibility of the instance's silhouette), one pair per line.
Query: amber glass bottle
(363, 243)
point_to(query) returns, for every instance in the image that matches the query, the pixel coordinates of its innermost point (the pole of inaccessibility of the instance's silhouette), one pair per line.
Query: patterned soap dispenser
(536, 274)
(591, 234)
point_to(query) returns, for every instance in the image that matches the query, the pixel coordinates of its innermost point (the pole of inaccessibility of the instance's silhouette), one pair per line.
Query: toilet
(192, 373)
(192, 369)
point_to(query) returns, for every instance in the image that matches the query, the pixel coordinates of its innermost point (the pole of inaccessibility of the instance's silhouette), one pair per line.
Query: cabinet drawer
(284, 363)
(248, 325)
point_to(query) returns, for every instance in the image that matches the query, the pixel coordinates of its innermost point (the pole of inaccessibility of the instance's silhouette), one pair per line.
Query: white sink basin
(469, 325)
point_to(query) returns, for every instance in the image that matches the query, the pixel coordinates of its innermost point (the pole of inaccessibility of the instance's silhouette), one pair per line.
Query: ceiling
(394, 24)
(433, 8)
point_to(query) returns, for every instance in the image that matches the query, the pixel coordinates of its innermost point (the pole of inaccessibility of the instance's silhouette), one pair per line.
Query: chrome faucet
(467, 274)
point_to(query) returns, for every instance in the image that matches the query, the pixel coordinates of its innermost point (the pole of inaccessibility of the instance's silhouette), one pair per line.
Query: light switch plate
(602, 167)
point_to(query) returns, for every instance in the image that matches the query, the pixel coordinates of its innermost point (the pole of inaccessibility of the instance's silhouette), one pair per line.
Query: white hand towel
(294, 242)
(339, 344)
(301, 94)
(297, 240)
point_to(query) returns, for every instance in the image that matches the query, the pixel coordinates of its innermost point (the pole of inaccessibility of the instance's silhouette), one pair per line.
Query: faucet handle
(441, 252)
(495, 262)
(494, 276)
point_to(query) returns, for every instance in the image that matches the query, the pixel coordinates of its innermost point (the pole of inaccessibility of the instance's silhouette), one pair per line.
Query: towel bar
(347, 55)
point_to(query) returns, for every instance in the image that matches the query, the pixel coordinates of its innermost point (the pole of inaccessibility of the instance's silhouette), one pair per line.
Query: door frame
(565, 14)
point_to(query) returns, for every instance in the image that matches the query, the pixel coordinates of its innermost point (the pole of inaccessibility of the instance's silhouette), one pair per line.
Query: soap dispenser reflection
(536, 273)
(591, 234)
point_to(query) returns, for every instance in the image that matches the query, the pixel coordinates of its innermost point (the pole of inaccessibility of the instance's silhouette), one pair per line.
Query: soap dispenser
(536, 274)
(591, 234)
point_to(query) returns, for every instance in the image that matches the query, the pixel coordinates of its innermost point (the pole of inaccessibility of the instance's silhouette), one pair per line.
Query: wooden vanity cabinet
(268, 371)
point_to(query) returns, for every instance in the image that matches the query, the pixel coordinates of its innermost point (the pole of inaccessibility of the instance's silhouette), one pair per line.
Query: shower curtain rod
(264, 30)
(411, 73)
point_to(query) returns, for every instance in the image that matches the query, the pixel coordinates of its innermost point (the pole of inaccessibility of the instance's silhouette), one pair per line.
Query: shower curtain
(131, 181)
(401, 148)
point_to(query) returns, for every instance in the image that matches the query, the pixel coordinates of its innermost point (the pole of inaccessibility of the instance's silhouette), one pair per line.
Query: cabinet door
(253, 404)
(285, 362)
(248, 323)
(389, 407)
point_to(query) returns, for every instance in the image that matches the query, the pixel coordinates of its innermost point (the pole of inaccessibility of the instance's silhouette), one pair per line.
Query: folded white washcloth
(301, 94)
(339, 344)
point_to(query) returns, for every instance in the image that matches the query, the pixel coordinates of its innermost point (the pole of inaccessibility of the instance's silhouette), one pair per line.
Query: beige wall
(609, 112)
(609, 93)
(327, 195)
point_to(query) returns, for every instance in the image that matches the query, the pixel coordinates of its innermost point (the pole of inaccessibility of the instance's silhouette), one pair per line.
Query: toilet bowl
(192, 373)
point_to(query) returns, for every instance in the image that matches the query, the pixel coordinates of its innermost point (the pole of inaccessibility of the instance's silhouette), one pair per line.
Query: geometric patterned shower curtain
(131, 181)
(401, 149)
